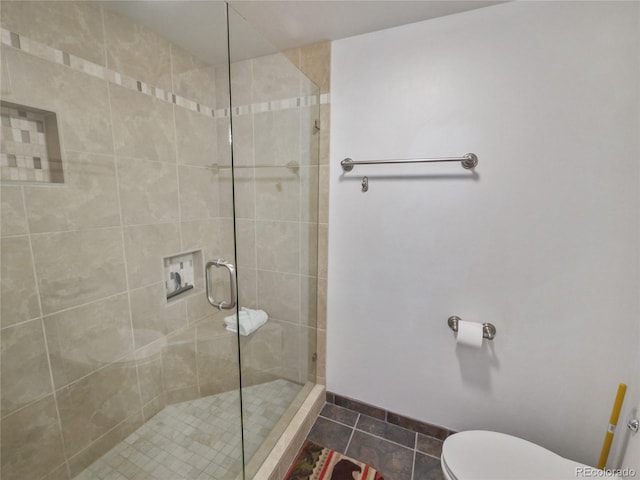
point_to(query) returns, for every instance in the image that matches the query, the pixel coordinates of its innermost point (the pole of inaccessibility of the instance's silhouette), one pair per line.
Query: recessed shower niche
(182, 273)
(30, 145)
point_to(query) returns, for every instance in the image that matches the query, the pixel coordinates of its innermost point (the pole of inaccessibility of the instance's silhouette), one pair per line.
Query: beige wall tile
(198, 307)
(246, 243)
(291, 347)
(152, 316)
(203, 235)
(94, 405)
(143, 126)
(71, 273)
(136, 51)
(308, 301)
(196, 138)
(83, 339)
(243, 144)
(153, 407)
(182, 394)
(299, 347)
(79, 100)
(179, 364)
(59, 473)
(17, 286)
(5, 80)
(223, 129)
(31, 442)
(25, 368)
(192, 78)
(218, 364)
(278, 246)
(227, 242)
(309, 134)
(13, 220)
(145, 248)
(321, 348)
(325, 129)
(73, 27)
(148, 191)
(279, 295)
(323, 194)
(198, 193)
(277, 137)
(239, 196)
(248, 287)
(263, 349)
(103, 444)
(322, 304)
(241, 83)
(309, 249)
(323, 243)
(315, 63)
(149, 363)
(88, 198)
(277, 194)
(274, 78)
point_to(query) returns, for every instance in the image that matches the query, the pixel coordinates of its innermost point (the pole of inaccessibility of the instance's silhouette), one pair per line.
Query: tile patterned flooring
(396, 452)
(198, 439)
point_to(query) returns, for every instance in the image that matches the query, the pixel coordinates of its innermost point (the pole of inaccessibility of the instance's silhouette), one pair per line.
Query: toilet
(484, 455)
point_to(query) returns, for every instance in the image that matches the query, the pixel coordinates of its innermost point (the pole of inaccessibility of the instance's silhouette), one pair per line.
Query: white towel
(250, 321)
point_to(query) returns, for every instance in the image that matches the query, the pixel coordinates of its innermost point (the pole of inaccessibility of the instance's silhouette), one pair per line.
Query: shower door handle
(232, 280)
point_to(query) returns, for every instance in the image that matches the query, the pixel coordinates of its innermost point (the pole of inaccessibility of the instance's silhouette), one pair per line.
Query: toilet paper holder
(488, 329)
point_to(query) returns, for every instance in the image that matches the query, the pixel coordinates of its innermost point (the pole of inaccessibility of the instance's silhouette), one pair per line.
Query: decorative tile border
(45, 52)
(424, 428)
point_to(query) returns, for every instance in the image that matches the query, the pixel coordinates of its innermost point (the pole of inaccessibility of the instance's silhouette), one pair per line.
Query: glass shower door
(115, 132)
(274, 120)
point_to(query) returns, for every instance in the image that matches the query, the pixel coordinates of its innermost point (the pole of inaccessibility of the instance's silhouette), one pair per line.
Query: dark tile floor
(397, 453)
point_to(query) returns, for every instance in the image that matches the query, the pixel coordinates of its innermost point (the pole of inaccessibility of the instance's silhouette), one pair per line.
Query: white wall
(543, 242)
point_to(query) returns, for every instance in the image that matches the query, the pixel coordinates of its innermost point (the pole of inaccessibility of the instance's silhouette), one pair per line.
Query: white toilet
(483, 455)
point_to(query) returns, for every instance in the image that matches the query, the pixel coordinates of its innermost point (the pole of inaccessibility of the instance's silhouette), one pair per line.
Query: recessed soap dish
(30, 145)
(182, 273)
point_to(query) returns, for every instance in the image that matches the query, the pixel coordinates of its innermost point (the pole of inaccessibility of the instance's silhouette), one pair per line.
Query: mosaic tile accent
(45, 52)
(24, 145)
(179, 273)
(198, 439)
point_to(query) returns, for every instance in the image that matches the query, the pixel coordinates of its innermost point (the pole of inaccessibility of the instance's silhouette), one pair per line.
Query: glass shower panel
(274, 115)
(115, 139)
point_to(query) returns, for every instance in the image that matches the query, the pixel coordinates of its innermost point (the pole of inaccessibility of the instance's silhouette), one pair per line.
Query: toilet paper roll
(469, 334)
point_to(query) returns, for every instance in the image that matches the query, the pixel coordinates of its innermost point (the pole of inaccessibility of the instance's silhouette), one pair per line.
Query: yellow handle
(613, 421)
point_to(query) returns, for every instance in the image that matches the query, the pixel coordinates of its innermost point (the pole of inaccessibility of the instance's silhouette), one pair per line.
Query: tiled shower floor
(199, 439)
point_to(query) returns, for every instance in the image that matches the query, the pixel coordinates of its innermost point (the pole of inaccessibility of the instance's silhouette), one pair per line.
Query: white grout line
(415, 454)
(352, 433)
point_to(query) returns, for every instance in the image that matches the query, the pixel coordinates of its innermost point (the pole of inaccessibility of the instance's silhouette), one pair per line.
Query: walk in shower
(141, 141)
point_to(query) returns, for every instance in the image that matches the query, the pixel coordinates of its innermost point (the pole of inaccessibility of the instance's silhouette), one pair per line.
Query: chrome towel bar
(468, 161)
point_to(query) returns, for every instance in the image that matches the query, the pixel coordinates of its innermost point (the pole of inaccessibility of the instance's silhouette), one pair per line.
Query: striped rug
(315, 462)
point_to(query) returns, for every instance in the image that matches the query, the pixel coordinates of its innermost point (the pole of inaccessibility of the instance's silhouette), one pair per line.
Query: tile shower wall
(90, 348)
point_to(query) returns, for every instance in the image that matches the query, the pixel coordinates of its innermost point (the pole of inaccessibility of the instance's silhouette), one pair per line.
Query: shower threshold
(198, 439)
